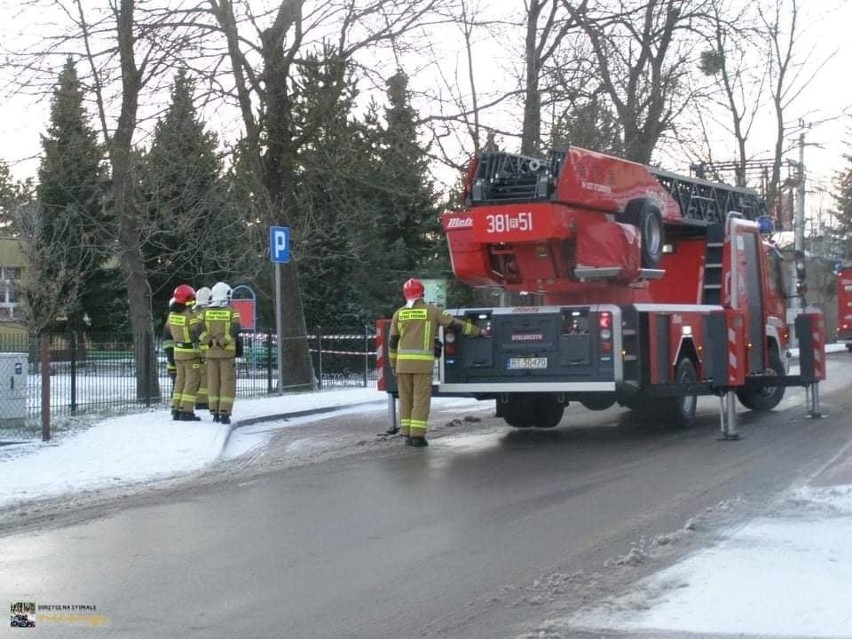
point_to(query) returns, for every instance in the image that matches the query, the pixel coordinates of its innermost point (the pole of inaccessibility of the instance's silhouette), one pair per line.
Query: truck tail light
(605, 344)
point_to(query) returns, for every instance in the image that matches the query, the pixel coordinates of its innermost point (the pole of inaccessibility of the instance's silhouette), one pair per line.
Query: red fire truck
(650, 289)
(844, 304)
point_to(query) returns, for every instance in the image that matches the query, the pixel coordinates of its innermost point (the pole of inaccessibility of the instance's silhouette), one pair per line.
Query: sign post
(279, 253)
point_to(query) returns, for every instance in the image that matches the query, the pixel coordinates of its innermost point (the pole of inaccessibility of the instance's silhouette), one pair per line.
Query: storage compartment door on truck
(746, 291)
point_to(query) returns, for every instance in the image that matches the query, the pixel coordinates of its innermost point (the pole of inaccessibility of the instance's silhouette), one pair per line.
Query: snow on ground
(788, 574)
(148, 446)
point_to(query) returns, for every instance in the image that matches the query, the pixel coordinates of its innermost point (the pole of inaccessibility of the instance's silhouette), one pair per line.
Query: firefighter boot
(418, 442)
(175, 415)
(224, 419)
(216, 417)
(189, 417)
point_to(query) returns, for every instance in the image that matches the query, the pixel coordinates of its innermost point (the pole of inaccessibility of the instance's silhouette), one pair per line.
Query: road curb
(248, 421)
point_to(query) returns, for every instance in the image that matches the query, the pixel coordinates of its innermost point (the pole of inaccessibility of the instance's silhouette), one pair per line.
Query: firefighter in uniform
(220, 328)
(181, 326)
(202, 301)
(413, 330)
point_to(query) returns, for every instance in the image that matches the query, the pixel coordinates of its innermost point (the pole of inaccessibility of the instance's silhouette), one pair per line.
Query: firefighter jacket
(412, 336)
(220, 330)
(181, 327)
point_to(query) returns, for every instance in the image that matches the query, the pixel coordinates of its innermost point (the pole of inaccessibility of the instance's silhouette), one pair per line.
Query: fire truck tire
(683, 408)
(597, 402)
(677, 412)
(645, 215)
(532, 411)
(548, 412)
(517, 412)
(764, 398)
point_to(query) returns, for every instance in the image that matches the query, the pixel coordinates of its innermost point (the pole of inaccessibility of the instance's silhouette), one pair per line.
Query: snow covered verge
(783, 574)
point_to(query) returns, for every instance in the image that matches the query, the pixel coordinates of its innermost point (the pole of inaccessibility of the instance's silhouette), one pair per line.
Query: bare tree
(641, 54)
(264, 67)
(545, 30)
(735, 60)
(44, 299)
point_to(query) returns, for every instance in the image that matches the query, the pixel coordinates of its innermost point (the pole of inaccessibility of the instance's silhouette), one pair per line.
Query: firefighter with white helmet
(220, 328)
(202, 301)
(181, 326)
(413, 331)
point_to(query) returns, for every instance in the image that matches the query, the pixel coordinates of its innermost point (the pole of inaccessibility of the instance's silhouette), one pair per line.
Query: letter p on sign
(279, 244)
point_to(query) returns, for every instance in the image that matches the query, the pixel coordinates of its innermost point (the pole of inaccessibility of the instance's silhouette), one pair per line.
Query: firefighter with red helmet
(182, 327)
(413, 331)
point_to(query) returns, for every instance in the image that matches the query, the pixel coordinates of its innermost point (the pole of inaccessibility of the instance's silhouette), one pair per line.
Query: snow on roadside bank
(785, 574)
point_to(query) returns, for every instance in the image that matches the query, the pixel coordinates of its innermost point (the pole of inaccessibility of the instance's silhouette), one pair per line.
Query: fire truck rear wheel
(548, 412)
(645, 215)
(532, 411)
(683, 408)
(516, 411)
(764, 398)
(678, 412)
(597, 402)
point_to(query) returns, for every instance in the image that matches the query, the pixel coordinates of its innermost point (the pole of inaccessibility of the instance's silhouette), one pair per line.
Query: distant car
(22, 621)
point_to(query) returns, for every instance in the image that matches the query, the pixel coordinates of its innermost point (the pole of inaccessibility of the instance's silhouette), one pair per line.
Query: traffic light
(801, 274)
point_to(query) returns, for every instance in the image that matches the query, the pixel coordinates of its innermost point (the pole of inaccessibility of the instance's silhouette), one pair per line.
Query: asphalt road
(484, 534)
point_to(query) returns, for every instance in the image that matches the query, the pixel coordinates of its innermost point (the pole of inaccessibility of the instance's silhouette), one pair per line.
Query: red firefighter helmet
(184, 294)
(413, 289)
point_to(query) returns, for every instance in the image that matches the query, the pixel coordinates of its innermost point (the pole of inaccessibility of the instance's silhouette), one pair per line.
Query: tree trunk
(279, 182)
(129, 233)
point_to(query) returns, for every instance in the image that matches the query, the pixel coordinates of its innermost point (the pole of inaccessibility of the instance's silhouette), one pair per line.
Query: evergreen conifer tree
(71, 245)
(194, 236)
(405, 238)
(842, 232)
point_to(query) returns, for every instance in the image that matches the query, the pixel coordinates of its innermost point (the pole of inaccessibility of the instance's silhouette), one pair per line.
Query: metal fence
(90, 373)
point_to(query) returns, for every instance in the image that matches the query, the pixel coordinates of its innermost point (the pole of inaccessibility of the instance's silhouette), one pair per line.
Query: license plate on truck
(524, 363)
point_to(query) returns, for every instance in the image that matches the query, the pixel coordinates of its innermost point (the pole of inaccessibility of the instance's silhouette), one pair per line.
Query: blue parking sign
(279, 244)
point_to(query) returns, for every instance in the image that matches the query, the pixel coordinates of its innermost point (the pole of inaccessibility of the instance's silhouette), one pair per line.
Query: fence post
(319, 355)
(147, 361)
(72, 349)
(44, 364)
(269, 362)
(366, 354)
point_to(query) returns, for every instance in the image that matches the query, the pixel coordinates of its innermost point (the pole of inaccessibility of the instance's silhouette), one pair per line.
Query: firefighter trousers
(415, 397)
(221, 384)
(187, 380)
(201, 395)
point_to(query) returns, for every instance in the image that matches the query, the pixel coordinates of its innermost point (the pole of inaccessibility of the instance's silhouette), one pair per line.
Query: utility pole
(797, 281)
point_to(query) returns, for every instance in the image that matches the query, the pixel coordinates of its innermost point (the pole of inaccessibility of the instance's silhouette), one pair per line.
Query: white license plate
(518, 363)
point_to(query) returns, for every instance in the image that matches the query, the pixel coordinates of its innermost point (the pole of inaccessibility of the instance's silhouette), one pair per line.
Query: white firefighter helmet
(202, 297)
(221, 294)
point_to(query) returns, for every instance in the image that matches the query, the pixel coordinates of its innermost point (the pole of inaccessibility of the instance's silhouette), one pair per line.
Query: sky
(787, 573)
(824, 34)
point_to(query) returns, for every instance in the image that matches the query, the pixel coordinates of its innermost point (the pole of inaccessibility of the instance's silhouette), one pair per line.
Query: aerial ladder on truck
(655, 288)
